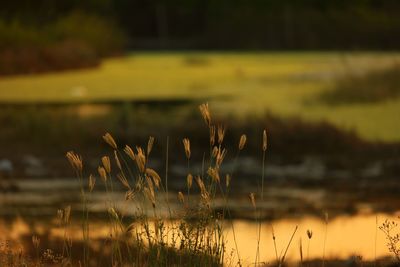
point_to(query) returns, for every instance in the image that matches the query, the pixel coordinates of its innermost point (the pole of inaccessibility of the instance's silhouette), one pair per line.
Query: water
(32, 210)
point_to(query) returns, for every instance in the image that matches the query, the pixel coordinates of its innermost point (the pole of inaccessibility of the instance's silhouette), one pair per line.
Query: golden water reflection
(346, 236)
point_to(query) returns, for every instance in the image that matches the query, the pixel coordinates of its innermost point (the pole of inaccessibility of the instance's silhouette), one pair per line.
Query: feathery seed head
(129, 195)
(212, 135)
(150, 144)
(242, 141)
(113, 213)
(106, 163)
(189, 180)
(265, 140)
(154, 175)
(140, 159)
(186, 144)
(102, 173)
(221, 133)
(128, 150)
(181, 197)
(214, 174)
(227, 180)
(215, 151)
(75, 160)
(205, 112)
(35, 241)
(92, 182)
(220, 157)
(110, 140)
(252, 200)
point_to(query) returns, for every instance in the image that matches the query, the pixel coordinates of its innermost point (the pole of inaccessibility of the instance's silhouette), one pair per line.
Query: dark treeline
(232, 24)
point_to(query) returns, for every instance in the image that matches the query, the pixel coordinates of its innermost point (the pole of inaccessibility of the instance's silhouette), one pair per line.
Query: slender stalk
(262, 200)
(287, 247)
(325, 236)
(166, 177)
(274, 239)
(376, 237)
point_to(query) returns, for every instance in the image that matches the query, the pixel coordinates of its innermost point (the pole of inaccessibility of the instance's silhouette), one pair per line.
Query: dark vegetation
(374, 86)
(47, 131)
(74, 40)
(45, 35)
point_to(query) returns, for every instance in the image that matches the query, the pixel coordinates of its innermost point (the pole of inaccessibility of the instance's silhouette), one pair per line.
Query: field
(286, 84)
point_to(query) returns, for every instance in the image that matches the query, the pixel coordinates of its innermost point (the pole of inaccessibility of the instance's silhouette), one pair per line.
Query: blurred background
(323, 77)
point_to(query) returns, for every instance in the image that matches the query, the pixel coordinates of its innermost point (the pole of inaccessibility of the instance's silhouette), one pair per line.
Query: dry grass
(193, 235)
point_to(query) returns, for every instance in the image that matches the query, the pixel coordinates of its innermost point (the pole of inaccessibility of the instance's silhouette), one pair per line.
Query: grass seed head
(110, 140)
(212, 135)
(220, 157)
(252, 200)
(129, 195)
(113, 213)
(215, 151)
(221, 133)
(242, 141)
(189, 180)
(150, 144)
(106, 163)
(227, 180)
(35, 241)
(92, 182)
(205, 112)
(265, 140)
(140, 159)
(214, 174)
(128, 150)
(75, 160)
(102, 173)
(154, 175)
(181, 197)
(309, 234)
(186, 144)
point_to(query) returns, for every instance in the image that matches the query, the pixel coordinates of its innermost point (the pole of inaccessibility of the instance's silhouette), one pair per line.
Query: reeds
(193, 235)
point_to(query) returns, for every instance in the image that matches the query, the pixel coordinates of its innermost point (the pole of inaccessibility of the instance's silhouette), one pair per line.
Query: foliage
(258, 24)
(72, 41)
(373, 86)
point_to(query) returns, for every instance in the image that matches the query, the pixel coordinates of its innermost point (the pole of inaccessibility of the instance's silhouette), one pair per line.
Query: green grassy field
(234, 83)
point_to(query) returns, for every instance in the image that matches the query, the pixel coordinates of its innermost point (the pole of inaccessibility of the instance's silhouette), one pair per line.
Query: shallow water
(33, 210)
(346, 236)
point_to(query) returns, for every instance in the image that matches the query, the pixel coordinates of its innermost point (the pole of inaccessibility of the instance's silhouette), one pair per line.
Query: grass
(193, 235)
(374, 86)
(151, 240)
(237, 83)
